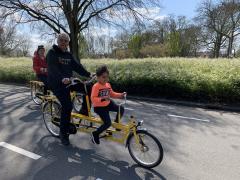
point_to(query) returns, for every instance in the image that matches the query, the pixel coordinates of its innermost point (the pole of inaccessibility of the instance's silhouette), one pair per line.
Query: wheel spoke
(48, 114)
(149, 154)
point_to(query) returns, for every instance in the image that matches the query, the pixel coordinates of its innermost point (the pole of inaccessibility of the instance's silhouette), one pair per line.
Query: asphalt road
(198, 144)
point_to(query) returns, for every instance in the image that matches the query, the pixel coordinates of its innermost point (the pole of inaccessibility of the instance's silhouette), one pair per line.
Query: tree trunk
(230, 45)
(217, 46)
(74, 46)
(218, 51)
(71, 14)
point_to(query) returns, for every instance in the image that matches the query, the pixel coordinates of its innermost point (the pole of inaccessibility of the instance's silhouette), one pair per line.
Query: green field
(206, 80)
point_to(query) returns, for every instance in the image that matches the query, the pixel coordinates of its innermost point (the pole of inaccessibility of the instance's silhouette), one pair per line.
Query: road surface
(198, 144)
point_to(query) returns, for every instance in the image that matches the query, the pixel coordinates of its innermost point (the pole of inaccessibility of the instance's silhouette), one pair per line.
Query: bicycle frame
(125, 129)
(130, 134)
(36, 85)
(109, 134)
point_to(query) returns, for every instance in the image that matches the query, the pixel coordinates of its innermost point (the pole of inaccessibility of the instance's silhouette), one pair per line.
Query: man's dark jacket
(61, 65)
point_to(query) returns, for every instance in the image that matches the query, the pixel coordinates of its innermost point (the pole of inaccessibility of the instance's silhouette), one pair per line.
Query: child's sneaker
(95, 138)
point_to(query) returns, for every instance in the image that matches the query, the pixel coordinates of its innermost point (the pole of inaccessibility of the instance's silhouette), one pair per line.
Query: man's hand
(66, 81)
(92, 75)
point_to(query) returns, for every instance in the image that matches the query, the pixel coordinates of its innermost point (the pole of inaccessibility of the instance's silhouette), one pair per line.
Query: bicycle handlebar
(75, 81)
(125, 100)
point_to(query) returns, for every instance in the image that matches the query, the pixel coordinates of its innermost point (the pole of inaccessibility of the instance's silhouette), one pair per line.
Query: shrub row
(206, 80)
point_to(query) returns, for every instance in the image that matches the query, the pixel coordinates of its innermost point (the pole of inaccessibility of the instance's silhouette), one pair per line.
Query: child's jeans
(103, 112)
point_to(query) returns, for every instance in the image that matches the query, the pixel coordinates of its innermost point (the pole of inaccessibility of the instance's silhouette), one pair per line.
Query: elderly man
(61, 65)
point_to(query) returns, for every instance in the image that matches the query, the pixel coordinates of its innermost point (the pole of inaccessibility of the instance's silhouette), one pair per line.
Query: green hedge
(211, 80)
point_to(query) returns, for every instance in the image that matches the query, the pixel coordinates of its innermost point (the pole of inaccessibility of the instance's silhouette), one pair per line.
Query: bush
(135, 45)
(121, 53)
(16, 70)
(155, 50)
(205, 80)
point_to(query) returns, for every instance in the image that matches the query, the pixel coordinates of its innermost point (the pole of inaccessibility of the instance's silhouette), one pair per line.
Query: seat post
(87, 100)
(119, 113)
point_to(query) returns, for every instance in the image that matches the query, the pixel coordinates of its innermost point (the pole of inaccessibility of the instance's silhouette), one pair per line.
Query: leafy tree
(173, 43)
(83, 47)
(135, 45)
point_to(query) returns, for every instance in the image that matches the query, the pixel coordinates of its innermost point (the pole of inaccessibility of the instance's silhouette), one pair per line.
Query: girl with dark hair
(40, 66)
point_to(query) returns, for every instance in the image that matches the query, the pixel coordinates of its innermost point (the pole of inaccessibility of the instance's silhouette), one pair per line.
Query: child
(40, 66)
(100, 97)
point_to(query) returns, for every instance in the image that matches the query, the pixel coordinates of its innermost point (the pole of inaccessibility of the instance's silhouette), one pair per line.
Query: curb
(188, 104)
(221, 107)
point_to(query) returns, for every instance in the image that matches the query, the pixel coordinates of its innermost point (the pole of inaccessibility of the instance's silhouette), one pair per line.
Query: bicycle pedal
(56, 119)
(107, 134)
(39, 95)
(103, 136)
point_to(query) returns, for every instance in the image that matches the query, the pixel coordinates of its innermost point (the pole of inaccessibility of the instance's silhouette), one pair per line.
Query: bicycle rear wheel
(149, 152)
(51, 117)
(34, 91)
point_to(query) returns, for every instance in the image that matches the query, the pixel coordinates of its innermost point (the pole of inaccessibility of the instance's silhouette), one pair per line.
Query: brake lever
(72, 83)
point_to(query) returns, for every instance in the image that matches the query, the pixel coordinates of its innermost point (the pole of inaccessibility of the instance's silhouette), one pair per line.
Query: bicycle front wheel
(148, 152)
(51, 117)
(77, 102)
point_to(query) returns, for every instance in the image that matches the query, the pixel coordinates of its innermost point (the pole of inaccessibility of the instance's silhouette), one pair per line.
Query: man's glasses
(64, 40)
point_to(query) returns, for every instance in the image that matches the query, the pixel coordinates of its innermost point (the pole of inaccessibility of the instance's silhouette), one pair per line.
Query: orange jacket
(100, 92)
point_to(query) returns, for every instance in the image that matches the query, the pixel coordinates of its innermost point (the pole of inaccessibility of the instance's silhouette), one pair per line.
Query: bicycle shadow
(33, 107)
(72, 162)
(33, 115)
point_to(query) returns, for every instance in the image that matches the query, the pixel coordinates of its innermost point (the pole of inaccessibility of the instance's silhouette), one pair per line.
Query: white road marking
(182, 117)
(130, 109)
(20, 150)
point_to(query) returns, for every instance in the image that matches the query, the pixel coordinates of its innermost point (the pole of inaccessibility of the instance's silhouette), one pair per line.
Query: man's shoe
(95, 138)
(64, 139)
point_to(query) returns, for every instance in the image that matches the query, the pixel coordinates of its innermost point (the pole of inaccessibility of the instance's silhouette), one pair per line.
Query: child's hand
(106, 98)
(123, 95)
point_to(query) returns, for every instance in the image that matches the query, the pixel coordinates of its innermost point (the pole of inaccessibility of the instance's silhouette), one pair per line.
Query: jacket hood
(58, 50)
(35, 53)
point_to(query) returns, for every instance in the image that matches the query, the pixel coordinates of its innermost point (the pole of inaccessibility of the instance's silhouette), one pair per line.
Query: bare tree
(231, 9)
(24, 45)
(73, 16)
(11, 43)
(214, 24)
(221, 22)
(8, 39)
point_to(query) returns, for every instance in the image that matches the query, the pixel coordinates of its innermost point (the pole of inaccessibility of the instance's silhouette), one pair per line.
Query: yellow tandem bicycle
(144, 148)
(38, 97)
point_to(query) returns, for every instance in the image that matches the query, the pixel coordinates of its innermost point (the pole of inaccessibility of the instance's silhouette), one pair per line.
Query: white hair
(63, 35)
